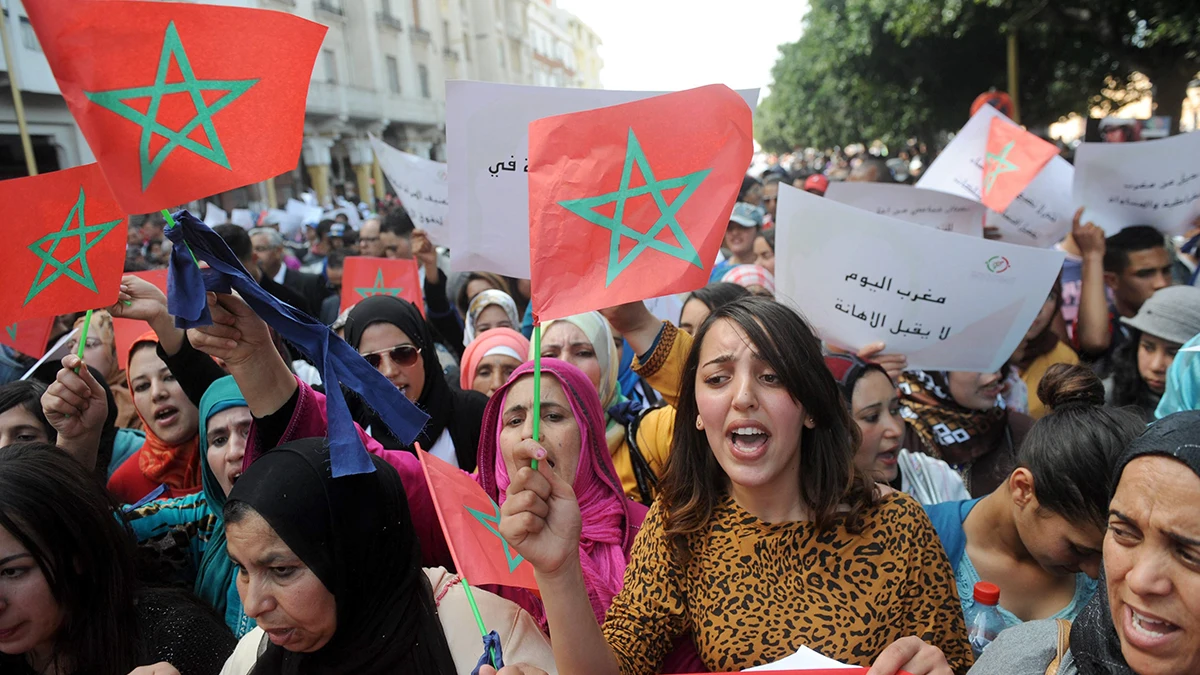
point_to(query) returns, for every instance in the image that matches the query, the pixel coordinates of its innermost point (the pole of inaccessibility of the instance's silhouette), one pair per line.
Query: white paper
(304, 214)
(945, 301)
(1040, 216)
(214, 215)
(803, 659)
(243, 217)
(1145, 183)
(1191, 349)
(57, 352)
(422, 187)
(487, 143)
(931, 208)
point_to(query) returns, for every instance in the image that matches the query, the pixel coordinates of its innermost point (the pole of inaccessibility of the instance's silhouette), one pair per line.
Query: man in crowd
(268, 250)
(744, 225)
(334, 266)
(368, 239)
(395, 235)
(243, 246)
(871, 170)
(770, 198)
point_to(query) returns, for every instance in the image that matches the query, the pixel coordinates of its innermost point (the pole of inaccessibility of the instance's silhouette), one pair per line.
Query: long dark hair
(62, 515)
(694, 482)
(1072, 451)
(1129, 389)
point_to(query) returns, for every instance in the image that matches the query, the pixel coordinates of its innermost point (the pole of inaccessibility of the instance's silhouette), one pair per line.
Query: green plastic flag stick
(478, 619)
(537, 387)
(87, 323)
(171, 223)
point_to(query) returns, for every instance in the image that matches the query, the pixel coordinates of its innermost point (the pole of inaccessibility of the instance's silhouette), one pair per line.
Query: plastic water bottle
(984, 622)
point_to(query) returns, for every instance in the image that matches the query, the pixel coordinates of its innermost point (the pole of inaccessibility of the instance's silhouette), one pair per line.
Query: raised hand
(237, 335)
(540, 516)
(1088, 236)
(139, 299)
(75, 404)
(912, 655)
(894, 364)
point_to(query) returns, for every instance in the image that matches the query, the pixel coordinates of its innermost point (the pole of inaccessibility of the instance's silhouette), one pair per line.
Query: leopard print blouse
(755, 592)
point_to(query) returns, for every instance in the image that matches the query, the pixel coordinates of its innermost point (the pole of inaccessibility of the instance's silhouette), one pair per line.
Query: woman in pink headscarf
(572, 434)
(491, 358)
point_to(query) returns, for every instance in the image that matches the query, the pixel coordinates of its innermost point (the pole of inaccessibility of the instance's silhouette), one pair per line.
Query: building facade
(586, 45)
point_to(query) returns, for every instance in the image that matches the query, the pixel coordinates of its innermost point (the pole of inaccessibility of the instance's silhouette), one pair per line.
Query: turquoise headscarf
(217, 576)
(1183, 382)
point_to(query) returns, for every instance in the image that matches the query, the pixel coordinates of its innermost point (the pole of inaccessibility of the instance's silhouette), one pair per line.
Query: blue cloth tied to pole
(339, 364)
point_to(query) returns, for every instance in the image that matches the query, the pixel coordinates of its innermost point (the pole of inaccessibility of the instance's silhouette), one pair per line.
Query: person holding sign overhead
(760, 505)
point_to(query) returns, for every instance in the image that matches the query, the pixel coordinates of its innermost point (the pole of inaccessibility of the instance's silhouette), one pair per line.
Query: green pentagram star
(586, 208)
(81, 229)
(491, 522)
(379, 288)
(115, 100)
(996, 165)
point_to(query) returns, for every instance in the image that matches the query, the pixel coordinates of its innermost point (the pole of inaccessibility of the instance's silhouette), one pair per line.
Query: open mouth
(888, 457)
(749, 440)
(1146, 630)
(233, 477)
(281, 637)
(166, 414)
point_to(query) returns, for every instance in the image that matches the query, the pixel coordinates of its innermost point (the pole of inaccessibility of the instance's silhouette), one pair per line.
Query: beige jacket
(520, 637)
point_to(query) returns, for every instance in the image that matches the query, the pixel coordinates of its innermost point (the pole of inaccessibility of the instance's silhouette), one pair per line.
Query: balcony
(333, 7)
(420, 36)
(386, 20)
(450, 54)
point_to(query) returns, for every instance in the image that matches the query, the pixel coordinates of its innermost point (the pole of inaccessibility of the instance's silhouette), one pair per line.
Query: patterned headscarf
(483, 301)
(956, 434)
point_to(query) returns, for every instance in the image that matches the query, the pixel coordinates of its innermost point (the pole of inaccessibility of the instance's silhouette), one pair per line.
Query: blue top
(948, 519)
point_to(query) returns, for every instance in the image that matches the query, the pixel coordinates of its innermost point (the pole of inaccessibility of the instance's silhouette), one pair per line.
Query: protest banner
(930, 208)
(421, 185)
(471, 521)
(125, 331)
(666, 168)
(214, 215)
(122, 67)
(1040, 215)
(67, 238)
(1147, 183)
(1014, 158)
(28, 337)
(487, 140)
(299, 215)
(364, 277)
(946, 302)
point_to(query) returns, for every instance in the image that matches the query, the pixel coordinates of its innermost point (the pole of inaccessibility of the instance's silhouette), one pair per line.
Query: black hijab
(1095, 644)
(459, 411)
(356, 534)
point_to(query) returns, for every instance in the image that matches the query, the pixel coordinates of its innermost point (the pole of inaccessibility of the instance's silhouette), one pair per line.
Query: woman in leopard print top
(763, 537)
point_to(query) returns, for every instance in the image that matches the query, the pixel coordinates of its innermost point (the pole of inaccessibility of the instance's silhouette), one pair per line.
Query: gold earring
(810, 424)
(699, 423)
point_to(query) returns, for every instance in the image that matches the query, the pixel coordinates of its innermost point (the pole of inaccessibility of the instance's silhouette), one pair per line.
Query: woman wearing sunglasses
(393, 337)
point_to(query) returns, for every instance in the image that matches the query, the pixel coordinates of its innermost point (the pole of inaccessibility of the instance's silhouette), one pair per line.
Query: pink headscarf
(607, 533)
(751, 275)
(487, 343)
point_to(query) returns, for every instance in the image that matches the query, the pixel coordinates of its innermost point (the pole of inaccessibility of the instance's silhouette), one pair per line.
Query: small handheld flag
(1014, 158)
(29, 336)
(364, 277)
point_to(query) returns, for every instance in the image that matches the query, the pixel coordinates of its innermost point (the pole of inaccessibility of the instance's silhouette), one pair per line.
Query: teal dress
(187, 534)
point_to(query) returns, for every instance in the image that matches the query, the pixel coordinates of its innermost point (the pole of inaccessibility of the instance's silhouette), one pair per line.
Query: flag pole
(87, 323)
(171, 222)
(537, 386)
(478, 618)
(18, 103)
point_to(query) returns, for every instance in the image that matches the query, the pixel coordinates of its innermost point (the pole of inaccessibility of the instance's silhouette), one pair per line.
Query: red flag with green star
(363, 277)
(65, 239)
(632, 201)
(180, 101)
(1014, 158)
(28, 337)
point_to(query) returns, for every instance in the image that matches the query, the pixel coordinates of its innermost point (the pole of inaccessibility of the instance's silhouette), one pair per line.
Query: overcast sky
(679, 44)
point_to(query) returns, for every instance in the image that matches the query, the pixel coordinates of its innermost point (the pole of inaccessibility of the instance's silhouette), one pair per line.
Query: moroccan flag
(126, 331)
(471, 523)
(180, 101)
(65, 244)
(363, 277)
(632, 201)
(1014, 158)
(29, 336)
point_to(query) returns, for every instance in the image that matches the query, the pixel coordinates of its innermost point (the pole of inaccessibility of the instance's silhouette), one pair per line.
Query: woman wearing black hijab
(393, 336)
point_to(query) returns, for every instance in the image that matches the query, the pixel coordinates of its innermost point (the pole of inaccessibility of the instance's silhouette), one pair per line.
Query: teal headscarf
(215, 580)
(1183, 382)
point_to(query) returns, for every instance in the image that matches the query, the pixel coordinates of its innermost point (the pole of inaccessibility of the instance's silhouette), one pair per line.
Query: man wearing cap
(744, 225)
(816, 184)
(1161, 326)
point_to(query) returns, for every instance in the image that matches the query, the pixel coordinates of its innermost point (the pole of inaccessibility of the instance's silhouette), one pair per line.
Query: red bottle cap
(987, 593)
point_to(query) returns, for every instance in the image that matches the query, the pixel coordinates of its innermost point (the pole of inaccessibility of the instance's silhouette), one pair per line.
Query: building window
(393, 70)
(416, 6)
(423, 73)
(329, 60)
(445, 34)
(28, 38)
(467, 46)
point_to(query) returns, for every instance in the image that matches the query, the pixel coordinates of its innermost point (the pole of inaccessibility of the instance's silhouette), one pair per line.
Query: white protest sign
(242, 217)
(487, 142)
(1145, 183)
(1040, 216)
(422, 187)
(214, 215)
(930, 208)
(304, 213)
(945, 301)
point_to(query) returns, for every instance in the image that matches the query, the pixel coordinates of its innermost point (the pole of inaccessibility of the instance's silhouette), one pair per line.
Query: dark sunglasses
(402, 355)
